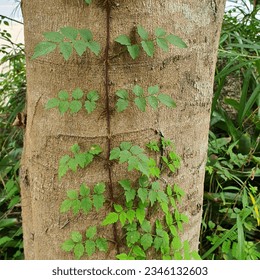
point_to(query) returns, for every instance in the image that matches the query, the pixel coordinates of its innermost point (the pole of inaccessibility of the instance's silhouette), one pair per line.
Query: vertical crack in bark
(108, 115)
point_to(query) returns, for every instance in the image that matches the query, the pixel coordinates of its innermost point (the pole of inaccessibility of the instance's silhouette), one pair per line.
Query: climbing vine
(135, 202)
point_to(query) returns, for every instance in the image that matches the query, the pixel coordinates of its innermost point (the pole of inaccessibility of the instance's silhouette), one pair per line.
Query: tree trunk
(186, 74)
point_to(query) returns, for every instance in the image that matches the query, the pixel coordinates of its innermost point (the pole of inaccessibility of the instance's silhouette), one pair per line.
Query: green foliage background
(231, 219)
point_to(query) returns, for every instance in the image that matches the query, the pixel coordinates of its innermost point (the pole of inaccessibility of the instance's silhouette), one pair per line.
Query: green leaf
(52, 103)
(4, 240)
(65, 206)
(132, 237)
(90, 106)
(160, 32)
(80, 159)
(66, 49)
(63, 95)
(86, 34)
(153, 101)
(133, 162)
(163, 44)
(91, 232)
(95, 150)
(130, 195)
(118, 208)
(86, 205)
(140, 102)
(84, 190)
(55, 37)
(76, 205)
(138, 91)
(143, 194)
(152, 197)
(122, 257)
(146, 226)
(102, 245)
(134, 51)
(158, 241)
(68, 245)
(122, 218)
(138, 251)
(99, 188)
(176, 243)
(148, 47)
(98, 201)
(125, 145)
(77, 93)
(75, 106)
(72, 194)
(111, 218)
(93, 96)
(121, 105)
(88, 159)
(78, 251)
(90, 247)
(140, 214)
(88, 1)
(76, 236)
(176, 41)
(43, 48)
(69, 32)
(125, 184)
(146, 241)
(130, 214)
(153, 89)
(115, 154)
(122, 93)
(123, 40)
(124, 156)
(94, 47)
(142, 32)
(80, 47)
(136, 150)
(166, 100)
(64, 106)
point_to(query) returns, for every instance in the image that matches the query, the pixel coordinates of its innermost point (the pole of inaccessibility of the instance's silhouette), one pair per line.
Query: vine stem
(108, 115)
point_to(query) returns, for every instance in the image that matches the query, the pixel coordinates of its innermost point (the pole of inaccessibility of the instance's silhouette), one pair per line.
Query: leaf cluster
(89, 245)
(83, 200)
(152, 98)
(147, 43)
(81, 160)
(67, 39)
(75, 105)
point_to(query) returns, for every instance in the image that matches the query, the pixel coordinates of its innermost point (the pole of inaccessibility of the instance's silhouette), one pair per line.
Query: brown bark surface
(186, 74)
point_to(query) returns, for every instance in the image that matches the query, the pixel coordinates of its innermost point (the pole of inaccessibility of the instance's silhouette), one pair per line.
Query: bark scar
(214, 8)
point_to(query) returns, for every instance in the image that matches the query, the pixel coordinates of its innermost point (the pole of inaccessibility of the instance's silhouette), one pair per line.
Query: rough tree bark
(186, 74)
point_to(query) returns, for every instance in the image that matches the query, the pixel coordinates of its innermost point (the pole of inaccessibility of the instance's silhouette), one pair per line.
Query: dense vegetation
(231, 219)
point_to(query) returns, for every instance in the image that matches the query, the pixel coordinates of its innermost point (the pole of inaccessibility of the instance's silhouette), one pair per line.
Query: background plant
(12, 100)
(231, 220)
